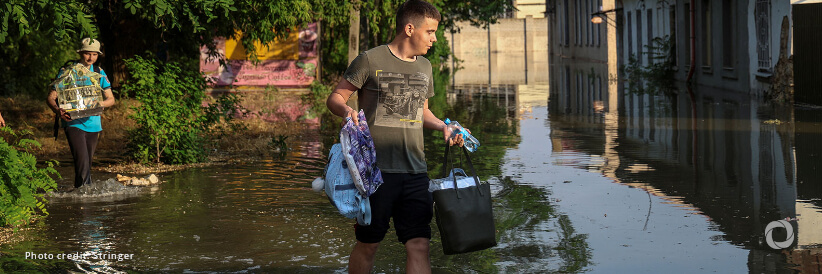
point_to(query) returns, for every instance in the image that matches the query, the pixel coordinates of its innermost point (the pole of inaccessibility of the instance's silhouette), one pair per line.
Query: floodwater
(598, 180)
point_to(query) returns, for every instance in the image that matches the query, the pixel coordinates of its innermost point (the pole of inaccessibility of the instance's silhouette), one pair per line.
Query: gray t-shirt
(392, 92)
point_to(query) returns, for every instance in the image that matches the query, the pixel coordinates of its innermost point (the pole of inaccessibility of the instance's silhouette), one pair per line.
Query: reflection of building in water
(584, 65)
(807, 149)
(728, 156)
(516, 100)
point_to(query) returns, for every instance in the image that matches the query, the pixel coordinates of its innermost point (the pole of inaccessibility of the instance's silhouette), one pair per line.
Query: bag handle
(457, 171)
(364, 216)
(446, 169)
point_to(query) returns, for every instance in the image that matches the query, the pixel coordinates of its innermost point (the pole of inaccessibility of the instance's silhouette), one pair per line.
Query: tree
(378, 25)
(170, 28)
(173, 28)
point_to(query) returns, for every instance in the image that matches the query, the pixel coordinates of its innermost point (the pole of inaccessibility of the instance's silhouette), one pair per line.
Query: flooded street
(593, 182)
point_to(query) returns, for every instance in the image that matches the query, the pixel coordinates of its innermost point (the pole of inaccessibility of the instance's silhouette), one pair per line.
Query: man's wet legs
(362, 257)
(417, 256)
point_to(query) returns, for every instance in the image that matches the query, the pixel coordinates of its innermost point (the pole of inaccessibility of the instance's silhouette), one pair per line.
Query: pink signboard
(291, 62)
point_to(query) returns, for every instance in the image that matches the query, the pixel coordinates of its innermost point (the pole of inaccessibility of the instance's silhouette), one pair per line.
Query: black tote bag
(464, 215)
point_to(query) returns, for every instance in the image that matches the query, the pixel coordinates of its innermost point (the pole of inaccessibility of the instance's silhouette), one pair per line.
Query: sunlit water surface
(580, 185)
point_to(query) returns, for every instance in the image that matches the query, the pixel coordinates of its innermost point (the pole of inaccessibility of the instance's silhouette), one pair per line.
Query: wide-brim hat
(91, 45)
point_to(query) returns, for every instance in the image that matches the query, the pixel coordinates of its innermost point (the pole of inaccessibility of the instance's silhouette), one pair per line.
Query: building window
(672, 24)
(577, 25)
(650, 29)
(599, 26)
(630, 37)
(587, 22)
(706, 34)
(763, 33)
(565, 28)
(687, 34)
(639, 36)
(728, 35)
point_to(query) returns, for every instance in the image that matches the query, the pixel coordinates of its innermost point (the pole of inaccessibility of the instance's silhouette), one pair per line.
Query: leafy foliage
(22, 183)
(379, 25)
(380, 18)
(318, 93)
(658, 75)
(224, 111)
(202, 20)
(63, 18)
(30, 63)
(173, 29)
(171, 120)
(477, 12)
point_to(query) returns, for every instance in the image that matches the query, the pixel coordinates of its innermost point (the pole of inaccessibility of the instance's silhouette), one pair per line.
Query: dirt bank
(250, 143)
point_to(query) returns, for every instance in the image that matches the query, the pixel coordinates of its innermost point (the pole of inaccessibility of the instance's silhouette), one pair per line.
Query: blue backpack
(341, 191)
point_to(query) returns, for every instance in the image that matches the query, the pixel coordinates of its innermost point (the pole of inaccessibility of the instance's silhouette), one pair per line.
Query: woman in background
(82, 133)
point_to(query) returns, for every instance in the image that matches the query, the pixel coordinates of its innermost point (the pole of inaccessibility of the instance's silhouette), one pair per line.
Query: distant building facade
(512, 51)
(583, 54)
(736, 47)
(737, 44)
(533, 8)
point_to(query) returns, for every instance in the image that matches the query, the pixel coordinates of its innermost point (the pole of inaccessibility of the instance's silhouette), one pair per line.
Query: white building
(736, 43)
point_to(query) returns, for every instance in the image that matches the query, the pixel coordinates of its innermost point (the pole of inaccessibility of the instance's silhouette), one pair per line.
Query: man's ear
(409, 29)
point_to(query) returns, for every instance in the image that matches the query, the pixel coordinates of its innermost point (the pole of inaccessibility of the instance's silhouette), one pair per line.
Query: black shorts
(404, 197)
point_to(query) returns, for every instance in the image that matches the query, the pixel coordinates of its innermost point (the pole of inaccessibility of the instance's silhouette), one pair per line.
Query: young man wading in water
(394, 83)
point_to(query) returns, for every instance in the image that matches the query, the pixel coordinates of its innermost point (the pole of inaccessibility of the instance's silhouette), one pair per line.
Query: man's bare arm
(430, 121)
(336, 101)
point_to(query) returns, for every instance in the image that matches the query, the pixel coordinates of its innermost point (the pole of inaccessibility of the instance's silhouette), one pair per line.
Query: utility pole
(353, 34)
(353, 45)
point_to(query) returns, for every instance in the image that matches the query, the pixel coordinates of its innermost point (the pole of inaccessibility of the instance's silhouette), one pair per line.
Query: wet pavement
(596, 180)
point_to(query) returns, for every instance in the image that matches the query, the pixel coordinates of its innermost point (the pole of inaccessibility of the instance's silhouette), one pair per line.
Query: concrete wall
(515, 50)
(533, 8)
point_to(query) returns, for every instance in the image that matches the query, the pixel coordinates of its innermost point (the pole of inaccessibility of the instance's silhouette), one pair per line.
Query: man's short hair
(415, 12)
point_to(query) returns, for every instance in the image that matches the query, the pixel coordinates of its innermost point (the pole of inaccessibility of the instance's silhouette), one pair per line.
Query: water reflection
(533, 236)
(263, 217)
(588, 180)
(736, 160)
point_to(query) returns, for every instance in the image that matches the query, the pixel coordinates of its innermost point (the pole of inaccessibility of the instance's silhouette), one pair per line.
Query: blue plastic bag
(341, 191)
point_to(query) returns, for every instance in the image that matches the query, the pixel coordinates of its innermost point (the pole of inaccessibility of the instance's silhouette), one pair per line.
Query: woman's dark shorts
(404, 197)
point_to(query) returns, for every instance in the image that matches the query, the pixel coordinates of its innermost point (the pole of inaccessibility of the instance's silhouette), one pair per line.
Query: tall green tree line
(36, 36)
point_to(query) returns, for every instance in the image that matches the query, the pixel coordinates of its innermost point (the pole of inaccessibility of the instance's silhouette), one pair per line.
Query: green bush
(315, 99)
(22, 183)
(171, 119)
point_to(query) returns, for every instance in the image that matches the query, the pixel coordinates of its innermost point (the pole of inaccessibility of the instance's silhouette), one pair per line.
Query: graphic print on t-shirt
(401, 99)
